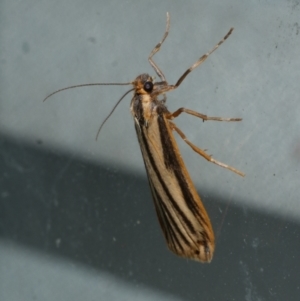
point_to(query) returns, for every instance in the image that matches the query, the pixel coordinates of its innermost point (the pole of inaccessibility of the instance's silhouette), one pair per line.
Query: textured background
(76, 216)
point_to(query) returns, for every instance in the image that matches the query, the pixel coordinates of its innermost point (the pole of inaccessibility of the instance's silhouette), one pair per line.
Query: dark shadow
(104, 218)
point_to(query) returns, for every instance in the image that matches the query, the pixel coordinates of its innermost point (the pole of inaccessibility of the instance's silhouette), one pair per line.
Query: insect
(181, 214)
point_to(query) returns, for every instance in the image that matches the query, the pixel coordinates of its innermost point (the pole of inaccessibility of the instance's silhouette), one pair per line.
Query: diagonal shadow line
(105, 219)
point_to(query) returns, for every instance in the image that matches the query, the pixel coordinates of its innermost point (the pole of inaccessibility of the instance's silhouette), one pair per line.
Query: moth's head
(143, 84)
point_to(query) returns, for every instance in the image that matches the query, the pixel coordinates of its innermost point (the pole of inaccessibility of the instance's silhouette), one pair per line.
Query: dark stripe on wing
(167, 225)
(172, 162)
(176, 207)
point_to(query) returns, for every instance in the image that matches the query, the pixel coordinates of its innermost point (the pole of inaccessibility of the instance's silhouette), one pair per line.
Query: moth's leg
(156, 49)
(199, 115)
(201, 60)
(202, 152)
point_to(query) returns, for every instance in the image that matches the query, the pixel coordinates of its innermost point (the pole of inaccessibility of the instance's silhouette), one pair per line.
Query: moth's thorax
(145, 104)
(144, 108)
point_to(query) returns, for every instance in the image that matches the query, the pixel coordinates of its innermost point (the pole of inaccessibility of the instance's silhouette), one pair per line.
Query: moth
(184, 221)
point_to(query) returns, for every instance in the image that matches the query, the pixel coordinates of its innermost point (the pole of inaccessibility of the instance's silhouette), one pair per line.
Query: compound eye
(148, 86)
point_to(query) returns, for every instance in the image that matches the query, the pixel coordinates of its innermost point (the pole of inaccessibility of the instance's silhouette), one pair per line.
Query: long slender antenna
(86, 85)
(113, 109)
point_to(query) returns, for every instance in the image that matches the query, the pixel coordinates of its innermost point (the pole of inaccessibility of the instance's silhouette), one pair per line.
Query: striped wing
(182, 216)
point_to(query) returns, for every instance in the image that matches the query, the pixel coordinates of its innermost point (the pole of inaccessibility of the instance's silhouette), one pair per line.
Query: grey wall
(76, 215)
